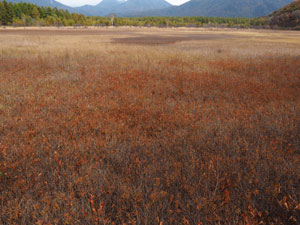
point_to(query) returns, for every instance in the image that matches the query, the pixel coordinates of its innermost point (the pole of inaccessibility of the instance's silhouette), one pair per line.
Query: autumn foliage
(86, 139)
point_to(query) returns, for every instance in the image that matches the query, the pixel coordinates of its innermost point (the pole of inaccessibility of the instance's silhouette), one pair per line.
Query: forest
(26, 14)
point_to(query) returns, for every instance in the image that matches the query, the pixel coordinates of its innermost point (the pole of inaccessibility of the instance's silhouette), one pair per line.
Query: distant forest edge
(26, 14)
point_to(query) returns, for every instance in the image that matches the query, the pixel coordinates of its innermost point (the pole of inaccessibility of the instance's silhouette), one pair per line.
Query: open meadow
(149, 126)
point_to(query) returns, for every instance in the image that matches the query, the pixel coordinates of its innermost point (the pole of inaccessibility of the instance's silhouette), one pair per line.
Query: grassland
(149, 126)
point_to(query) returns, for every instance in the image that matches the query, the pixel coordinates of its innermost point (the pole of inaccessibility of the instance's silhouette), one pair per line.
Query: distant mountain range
(222, 8)
(51, 3)
(123, 7)
(213, 8)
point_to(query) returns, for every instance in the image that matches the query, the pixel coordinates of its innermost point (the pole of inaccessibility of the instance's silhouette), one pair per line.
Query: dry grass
(188, 132)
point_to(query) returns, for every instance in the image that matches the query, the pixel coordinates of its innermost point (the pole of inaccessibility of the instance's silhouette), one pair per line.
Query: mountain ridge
(45, 3)
(209, 8)
(222, 8)
(122, 7)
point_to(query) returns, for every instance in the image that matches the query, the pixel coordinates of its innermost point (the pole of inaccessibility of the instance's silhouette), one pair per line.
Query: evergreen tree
(2, 14)
(18, 11)
(49, 11)
(25, 9)
(5, 14)
(67, 15)
(56, 12)
(35, 14)
(10, 13)
(42, 12)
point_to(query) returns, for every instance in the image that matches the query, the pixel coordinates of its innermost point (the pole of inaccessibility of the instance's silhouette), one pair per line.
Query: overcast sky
(95, 2)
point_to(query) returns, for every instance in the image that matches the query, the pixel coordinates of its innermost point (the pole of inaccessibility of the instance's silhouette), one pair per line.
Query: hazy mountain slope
(101, 9)
(122, 7)
(288, 16)
(108, 4)
(222, 8)
(142, 5)
(219, 8)
(51, 3)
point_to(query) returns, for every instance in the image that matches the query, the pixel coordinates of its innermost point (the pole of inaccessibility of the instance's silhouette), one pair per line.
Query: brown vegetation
(99, 133)
(288, 16)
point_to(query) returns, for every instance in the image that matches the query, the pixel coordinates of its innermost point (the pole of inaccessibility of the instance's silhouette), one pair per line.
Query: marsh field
(149, 126)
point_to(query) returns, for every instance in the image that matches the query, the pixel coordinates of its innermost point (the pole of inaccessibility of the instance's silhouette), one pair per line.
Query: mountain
(105, 7)
(141, 5)
(51, 3)
(212, 8)
(108, 4)
(288, 16)
(123, 7)
(222, 8)
(101, 9)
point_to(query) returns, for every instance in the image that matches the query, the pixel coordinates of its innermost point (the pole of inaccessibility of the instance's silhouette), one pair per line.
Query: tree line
(27, 14)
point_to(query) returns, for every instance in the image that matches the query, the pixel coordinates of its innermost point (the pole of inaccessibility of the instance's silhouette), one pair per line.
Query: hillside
(105, 7)
(123, 8)
(50, 3)
(211, 8)
(288, 16)
(222, 8)
(27, 14)
(140, 5)
(101, 9)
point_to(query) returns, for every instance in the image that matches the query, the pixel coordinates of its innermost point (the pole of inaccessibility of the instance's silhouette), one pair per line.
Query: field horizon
(160, 126)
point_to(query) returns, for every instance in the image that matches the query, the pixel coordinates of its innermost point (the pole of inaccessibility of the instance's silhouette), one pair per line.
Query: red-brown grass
(117, 141)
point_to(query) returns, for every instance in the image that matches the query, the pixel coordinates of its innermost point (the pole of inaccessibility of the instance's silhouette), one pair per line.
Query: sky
(95, 2)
